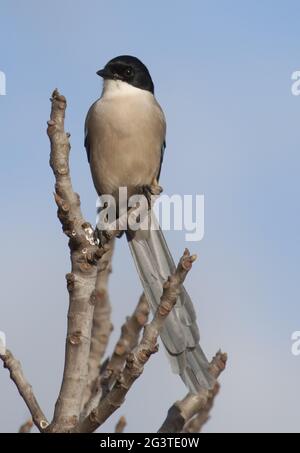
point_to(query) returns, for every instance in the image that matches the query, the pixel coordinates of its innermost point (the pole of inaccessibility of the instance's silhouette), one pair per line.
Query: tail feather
(180, 334)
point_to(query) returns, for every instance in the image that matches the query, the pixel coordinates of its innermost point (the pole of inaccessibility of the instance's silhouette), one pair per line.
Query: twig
(120, 426)
(102, 326)
(193, 404)
(26, 427)
(25, 389)
(139, 357)
(128, 340)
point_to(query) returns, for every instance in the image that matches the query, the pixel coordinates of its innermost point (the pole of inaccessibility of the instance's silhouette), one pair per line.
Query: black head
(128, 69)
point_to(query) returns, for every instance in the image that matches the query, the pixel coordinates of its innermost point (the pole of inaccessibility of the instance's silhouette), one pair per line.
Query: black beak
(104, 73)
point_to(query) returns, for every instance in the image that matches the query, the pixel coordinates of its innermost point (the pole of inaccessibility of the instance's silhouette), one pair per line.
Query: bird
(125, 141)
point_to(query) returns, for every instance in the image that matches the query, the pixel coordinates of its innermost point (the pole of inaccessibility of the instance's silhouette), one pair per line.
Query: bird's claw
(151, 192)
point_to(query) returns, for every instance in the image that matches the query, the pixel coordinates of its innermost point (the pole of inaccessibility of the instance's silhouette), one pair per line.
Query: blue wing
(161, 158)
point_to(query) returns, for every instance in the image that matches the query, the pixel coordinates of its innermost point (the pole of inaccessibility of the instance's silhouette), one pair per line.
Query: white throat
(116, 88)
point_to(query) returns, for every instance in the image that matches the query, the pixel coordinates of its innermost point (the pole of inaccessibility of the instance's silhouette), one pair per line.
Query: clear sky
(222, 71)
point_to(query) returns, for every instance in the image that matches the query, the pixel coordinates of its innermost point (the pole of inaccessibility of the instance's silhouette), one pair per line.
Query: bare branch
(139, 357)
(85, 254)
(194, 404)
(25, 389)
(26, 427)
(81, 281)
(128, 340)
(102, 326)
(120, 426)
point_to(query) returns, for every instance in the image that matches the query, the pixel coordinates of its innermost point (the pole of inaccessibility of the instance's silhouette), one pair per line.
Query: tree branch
(81, 281)
(196, 424)
(85, 254)
(128, 340)
(111, 368)
(25, 389)
(102, 325)
(182, 412)
(139, 357)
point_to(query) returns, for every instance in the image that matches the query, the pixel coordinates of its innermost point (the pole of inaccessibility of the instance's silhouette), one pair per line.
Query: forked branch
(181, 415)
(140, 355)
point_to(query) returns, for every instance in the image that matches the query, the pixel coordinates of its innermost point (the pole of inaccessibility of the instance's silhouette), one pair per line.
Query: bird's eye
(128, 72)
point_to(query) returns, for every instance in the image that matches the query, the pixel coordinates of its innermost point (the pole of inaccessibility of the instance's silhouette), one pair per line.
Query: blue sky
(222, 71)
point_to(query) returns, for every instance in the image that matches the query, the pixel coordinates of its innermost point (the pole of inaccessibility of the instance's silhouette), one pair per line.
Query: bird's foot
(151, 192)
